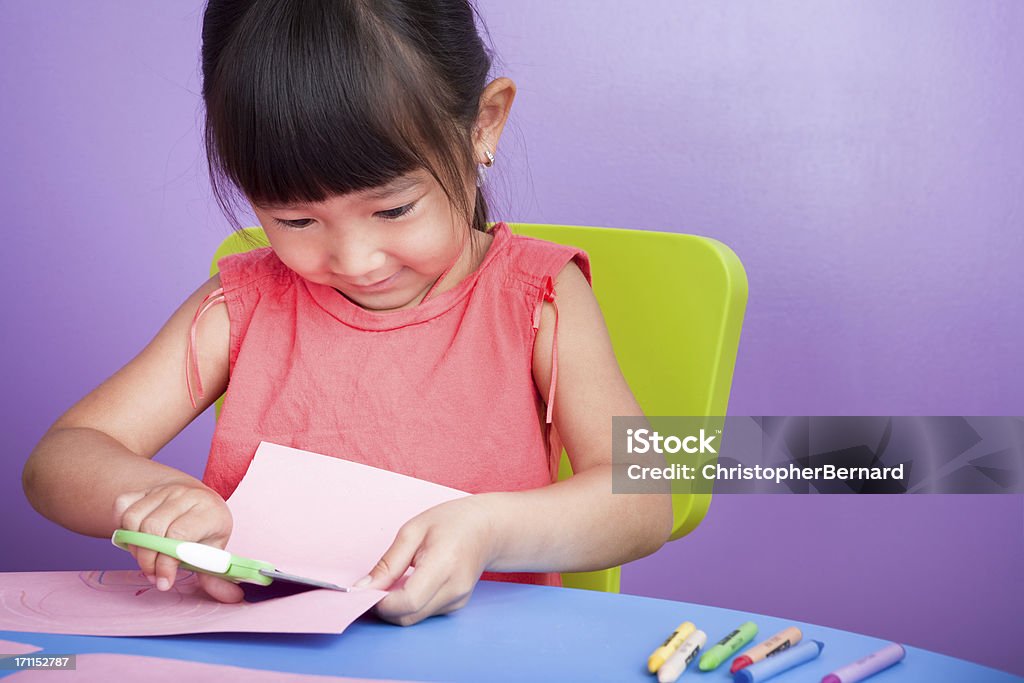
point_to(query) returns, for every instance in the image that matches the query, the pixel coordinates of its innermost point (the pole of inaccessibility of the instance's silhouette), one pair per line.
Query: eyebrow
(396, 186)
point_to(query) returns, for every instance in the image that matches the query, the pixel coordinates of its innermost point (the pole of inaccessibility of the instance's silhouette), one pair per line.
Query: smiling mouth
(382, 284)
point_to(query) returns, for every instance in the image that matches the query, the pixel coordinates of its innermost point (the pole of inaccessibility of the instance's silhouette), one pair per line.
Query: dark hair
(306, 99)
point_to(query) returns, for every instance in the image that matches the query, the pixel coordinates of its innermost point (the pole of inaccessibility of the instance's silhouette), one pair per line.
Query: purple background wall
(865, 160)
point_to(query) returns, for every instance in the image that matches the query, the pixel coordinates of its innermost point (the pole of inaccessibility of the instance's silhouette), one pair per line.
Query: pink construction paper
(123, 603)
(9, 647)
(103, 668)
(323, 517)
(309, 514)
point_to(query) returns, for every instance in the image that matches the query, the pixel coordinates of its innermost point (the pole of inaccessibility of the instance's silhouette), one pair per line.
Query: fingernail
(162, 584)
(365, 581)
(151, 578)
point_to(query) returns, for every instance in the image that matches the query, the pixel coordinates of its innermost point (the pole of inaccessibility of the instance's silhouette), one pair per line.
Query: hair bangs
(309, 99)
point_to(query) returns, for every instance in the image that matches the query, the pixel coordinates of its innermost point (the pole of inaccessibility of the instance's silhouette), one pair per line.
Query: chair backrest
(674, 307)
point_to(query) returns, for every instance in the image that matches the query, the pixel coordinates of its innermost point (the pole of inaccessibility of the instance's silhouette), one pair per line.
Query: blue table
(513, 632)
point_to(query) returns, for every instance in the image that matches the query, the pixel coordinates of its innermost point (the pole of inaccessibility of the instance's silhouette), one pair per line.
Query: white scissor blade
(291, 578)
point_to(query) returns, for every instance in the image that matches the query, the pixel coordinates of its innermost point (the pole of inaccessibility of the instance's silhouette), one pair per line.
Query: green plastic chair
(673, 305)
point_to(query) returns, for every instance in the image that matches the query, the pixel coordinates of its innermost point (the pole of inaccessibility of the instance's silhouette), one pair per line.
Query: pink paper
(123, 603)
(103, 668)
(9, 647)
(308, 514)
(323, 517)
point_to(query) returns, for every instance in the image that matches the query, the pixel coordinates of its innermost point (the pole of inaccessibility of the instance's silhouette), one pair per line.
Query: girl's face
(382, 248)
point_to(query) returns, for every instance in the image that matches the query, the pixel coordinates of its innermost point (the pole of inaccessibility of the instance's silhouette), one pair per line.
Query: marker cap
(739, 663)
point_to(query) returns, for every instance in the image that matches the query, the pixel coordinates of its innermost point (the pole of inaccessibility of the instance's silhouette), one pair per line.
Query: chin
(379, 301)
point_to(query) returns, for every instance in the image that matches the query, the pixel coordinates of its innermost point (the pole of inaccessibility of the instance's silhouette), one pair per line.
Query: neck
(456, 270)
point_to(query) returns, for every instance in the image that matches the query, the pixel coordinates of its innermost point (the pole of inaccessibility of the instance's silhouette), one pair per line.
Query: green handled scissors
(210, 560)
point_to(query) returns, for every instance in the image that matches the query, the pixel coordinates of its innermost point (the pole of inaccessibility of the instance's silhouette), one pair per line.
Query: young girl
(385, 323)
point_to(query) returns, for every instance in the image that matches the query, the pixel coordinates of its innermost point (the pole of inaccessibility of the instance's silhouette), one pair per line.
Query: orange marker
(783, 640)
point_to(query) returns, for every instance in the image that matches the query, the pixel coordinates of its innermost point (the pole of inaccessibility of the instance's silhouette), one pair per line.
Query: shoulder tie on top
(191, 358)
(548, 294)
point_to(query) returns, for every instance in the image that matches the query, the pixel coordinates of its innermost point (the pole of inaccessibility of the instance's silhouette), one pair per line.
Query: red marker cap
(739, 663)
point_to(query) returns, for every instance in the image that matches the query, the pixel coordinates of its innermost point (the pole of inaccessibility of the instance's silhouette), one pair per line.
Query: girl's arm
(93, 471)
(75, 475)
(579, 524)
(104, 444)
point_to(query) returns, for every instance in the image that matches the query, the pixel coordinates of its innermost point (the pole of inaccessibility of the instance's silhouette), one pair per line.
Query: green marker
(727, 647)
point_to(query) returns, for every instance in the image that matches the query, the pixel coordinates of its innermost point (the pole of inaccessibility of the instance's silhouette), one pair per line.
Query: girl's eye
(389, 215)
(291, 225)
(392, 214)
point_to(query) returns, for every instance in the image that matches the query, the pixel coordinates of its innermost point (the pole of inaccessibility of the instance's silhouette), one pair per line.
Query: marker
(784, 661)
(867, 666)
(782, 640)
(670, 645)
(727, 646)
(675, 665)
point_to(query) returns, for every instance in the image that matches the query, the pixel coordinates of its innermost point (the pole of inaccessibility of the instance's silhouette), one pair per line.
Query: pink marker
(867, 666)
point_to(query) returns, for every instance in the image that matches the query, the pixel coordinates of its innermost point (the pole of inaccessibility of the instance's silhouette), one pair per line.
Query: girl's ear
(495, 104)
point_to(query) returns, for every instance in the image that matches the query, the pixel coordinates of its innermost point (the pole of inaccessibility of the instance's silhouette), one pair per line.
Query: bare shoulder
(145, 403)
(590, 386)
(580, 321)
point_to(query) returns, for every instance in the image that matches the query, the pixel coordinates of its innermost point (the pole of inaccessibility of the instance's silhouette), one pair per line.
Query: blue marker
(776, 664)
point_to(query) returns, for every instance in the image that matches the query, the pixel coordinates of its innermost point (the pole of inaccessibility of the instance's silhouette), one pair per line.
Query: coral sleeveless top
(442, 391)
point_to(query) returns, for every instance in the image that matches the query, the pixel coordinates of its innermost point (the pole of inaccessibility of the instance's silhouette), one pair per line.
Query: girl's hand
(180, 511)
(449, 546)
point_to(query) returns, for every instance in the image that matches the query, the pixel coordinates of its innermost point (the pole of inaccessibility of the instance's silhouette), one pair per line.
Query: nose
(357, 259)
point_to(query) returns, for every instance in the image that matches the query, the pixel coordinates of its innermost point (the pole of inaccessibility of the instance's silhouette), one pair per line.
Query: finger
(125, 501)
(446, 600)
(454, 588)
(427, 589)
(395, 560)
(139, 517)
(449, 599)
(220, 589)
(186, 526)
(456, 604)
(153, 563)
(405, 609)
(140, 507)
(159, 522)
(134, 550)
(165, 568)
(457, 601)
